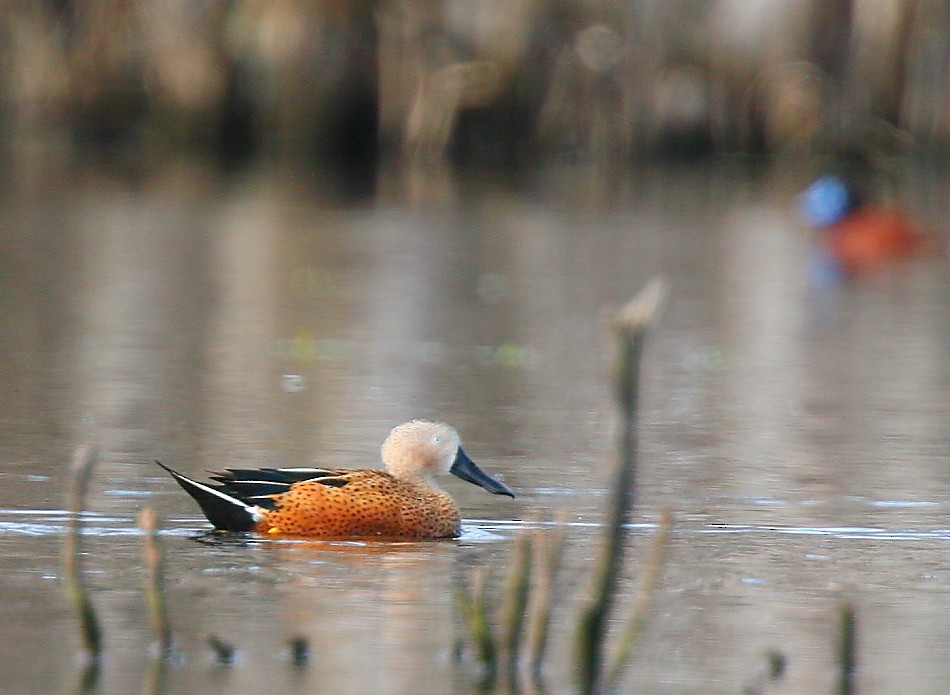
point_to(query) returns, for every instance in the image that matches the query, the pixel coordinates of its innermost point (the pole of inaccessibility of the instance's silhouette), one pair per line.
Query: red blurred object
(871, 237)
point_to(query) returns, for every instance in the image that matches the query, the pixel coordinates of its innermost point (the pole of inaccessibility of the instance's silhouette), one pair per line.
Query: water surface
(801, 434)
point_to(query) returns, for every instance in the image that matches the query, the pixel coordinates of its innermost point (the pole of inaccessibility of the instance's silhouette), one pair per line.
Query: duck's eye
(437, 439)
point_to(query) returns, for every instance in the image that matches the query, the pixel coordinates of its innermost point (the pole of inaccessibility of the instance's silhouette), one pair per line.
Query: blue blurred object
(825, 202)
(824, 269)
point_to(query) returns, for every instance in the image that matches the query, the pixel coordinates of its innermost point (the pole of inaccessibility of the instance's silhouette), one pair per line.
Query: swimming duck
(401, 501)
(857, 236)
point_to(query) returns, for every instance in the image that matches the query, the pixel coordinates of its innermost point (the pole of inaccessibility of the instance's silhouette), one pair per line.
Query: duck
(857, 236)
(401, 501)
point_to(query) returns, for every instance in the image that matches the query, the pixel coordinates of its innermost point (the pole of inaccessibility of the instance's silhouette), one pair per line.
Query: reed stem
(847, 648)
(548, 551)
(155, 583)
(83, 461)
(514, 602)
(641, 607)
(630, 325)
(473, 607)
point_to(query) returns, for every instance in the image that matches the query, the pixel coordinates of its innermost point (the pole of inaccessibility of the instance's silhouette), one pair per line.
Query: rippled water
(801, 434)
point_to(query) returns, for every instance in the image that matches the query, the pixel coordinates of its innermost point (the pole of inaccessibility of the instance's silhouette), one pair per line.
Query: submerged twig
(641, 607)
(155, 584)
(299, 652)
(630, 324)
(847, 648)
(771, 670)
(223, 651)
(84, 459)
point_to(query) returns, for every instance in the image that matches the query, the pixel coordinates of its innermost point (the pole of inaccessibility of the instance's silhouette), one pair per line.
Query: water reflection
(801, 434)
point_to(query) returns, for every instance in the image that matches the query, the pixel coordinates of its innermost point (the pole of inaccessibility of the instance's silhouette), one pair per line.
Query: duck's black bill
(466, 469)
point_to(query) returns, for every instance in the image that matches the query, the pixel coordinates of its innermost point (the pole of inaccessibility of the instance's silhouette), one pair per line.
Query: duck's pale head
(421, 448)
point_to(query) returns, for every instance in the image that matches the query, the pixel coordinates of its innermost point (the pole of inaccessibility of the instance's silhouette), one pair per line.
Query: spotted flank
(401, 501)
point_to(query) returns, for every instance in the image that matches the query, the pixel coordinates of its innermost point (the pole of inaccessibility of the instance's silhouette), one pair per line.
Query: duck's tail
(225, 512)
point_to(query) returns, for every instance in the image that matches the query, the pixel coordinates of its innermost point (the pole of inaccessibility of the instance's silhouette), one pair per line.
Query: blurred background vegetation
(499, 83)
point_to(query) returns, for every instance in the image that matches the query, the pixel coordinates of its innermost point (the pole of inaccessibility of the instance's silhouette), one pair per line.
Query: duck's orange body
(400, 502)
(372, 503)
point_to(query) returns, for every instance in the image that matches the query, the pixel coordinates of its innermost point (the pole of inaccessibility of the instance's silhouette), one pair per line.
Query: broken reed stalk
(641, 607)
(847, 648)
(84, 459)
(154, 582)
(631, 325)
(514, 602)
(548, 551)
(473, 607)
